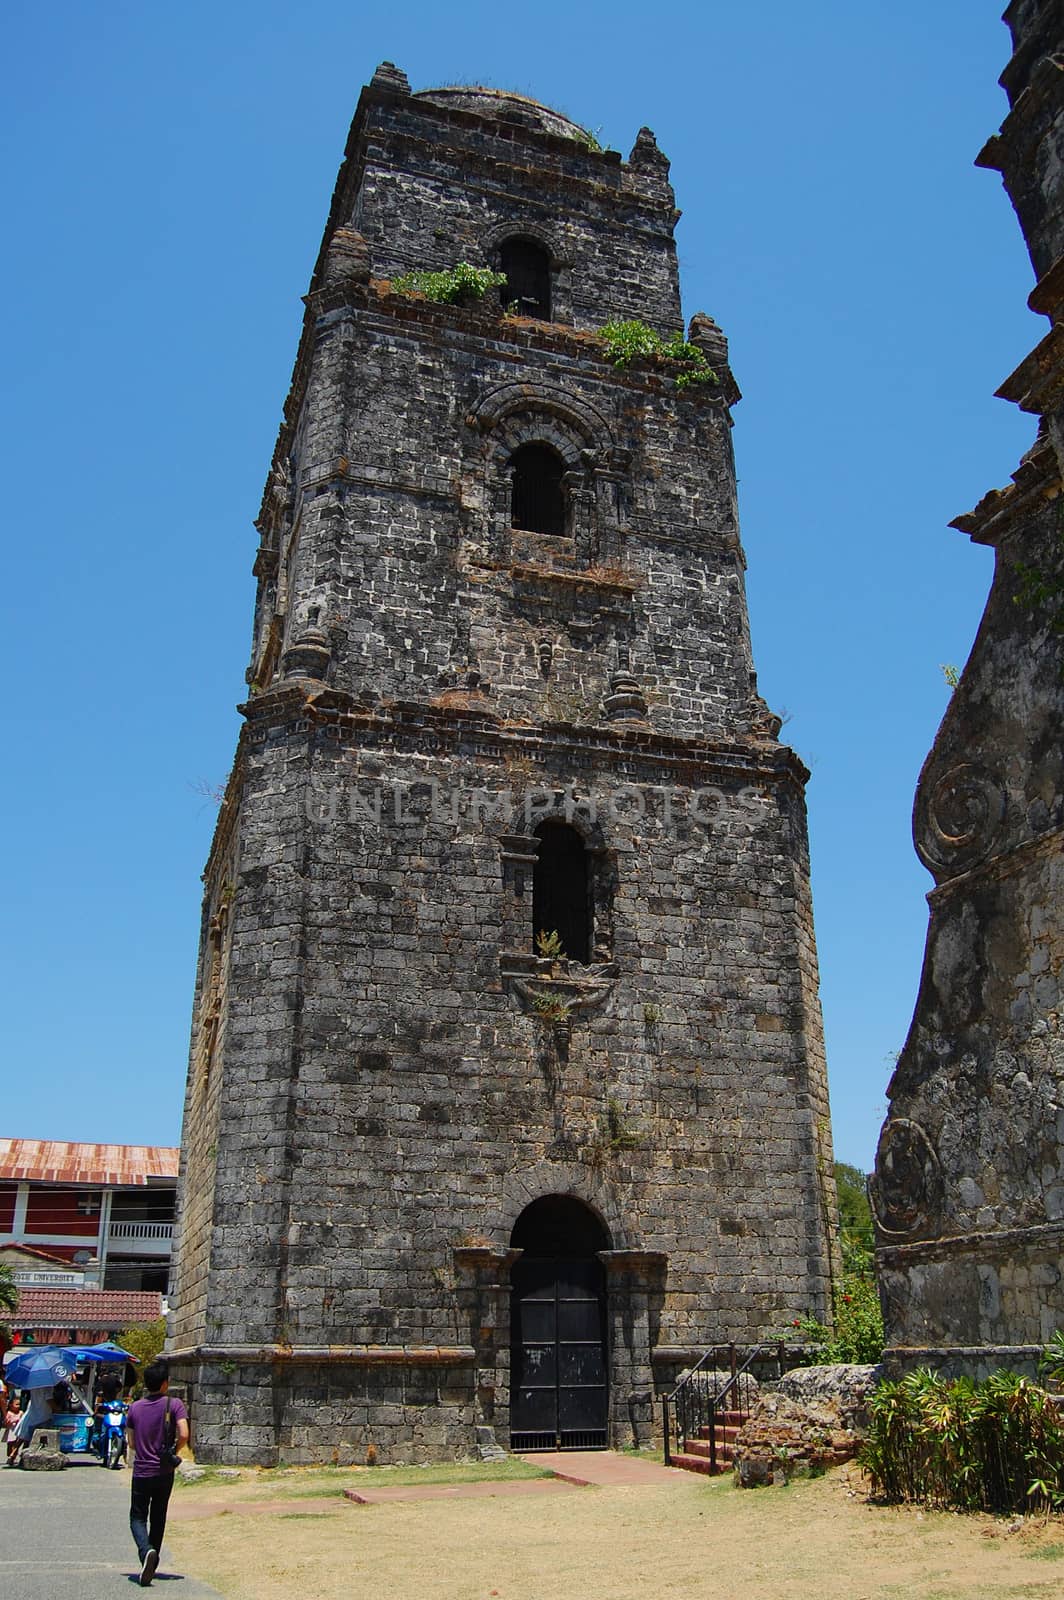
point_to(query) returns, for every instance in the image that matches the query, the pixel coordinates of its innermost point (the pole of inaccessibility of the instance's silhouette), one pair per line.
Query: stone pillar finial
(347, 258)
(625, 701)
(645, 152)
(308, 655)
(705, 333)
(389, 76)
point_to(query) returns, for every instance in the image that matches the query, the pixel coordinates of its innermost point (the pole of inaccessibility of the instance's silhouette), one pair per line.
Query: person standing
(12, 1418)
(155, 1425)
(42, 1408)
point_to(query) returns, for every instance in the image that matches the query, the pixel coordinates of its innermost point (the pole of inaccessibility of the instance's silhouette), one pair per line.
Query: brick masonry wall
(395, 1075)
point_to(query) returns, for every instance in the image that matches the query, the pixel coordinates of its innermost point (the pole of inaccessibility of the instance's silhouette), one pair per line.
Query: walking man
(154, 1427)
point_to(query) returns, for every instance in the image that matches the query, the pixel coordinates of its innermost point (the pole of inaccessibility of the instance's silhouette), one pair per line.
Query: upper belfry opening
(439, 176)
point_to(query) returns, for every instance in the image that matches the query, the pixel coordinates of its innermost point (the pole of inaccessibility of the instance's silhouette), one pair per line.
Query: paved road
(65, 1536)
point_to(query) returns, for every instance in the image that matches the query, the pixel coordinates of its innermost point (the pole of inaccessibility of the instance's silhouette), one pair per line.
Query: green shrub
(857, 1316)
(1051, 1365)
(456, 286)
(858, 1332)
(992, 1446)
(635, 341)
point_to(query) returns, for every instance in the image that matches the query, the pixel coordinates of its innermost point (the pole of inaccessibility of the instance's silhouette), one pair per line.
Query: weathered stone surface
(789, 1437)
(969, 1184)
(43, 1454)
(384, 1075)
(847, 1385)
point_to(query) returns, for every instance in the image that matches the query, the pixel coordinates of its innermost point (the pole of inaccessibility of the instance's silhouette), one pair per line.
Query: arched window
(561, 890)
(527, 268)
(538, 499)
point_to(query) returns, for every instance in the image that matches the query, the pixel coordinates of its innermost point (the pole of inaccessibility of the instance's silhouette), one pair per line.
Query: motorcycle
(108, 1439)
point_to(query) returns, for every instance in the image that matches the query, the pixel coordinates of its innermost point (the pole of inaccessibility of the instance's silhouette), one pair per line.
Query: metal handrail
(695, 1403)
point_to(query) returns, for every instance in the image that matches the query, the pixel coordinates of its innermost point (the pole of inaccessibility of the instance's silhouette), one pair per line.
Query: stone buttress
(969, 1184)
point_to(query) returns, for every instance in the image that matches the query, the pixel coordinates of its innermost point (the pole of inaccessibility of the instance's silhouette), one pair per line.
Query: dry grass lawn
(818, 1540)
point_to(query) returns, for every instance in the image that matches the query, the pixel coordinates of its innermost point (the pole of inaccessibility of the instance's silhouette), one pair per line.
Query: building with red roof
(104, 1212)
(81, 1316)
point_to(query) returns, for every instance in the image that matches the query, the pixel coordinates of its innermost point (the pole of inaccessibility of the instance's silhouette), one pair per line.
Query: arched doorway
(559, 1390)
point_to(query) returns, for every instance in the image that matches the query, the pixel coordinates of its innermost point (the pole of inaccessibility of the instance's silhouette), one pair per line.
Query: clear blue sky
(168, 171)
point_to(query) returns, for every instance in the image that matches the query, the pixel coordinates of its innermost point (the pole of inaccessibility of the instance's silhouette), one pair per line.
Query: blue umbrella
(107, 1351)
(42, 1367)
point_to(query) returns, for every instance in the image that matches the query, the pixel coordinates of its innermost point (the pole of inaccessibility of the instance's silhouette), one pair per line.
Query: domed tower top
(503, 105)
(459, 173)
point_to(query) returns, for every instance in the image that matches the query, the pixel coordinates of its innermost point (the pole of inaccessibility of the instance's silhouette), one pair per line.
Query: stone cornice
(996, 1356)
(990, 1241)
(1037, 384)
(359, 1355)
(1036, 480)
(470, 327)
(302, 703)
(1026, 122)
(1048, 293)
(1000, 866)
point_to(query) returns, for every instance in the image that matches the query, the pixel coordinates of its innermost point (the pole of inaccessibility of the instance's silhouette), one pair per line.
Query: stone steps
(696, 1454)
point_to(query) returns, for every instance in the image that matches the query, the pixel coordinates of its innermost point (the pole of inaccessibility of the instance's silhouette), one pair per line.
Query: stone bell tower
(507, 1090)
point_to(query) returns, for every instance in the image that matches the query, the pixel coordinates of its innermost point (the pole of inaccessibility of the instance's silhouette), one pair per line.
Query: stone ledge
(363, 1355)
(950, 1246)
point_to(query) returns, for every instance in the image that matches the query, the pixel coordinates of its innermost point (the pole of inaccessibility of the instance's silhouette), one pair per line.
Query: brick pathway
(571, 1469)
(604, 1467)
(460, 1491)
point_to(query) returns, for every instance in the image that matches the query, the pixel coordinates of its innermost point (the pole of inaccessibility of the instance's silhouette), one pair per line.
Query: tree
(144, 1340)
(858, 1317)
(855, 1215)
(858, 1320)
(8, 1298)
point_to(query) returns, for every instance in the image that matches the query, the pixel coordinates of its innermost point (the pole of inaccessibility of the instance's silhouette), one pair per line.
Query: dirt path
(812, 1541)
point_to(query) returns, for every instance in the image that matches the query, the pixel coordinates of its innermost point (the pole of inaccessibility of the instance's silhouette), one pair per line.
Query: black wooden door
(558, 1388)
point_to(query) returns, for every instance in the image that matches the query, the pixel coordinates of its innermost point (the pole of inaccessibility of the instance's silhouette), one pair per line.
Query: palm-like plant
(8, 1289)
(8, 1296)
(1051, 1366)
(992, 1446)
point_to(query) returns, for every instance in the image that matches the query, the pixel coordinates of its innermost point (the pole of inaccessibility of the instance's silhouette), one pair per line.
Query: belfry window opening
(561, 891)
(527, 287)
(538, 497)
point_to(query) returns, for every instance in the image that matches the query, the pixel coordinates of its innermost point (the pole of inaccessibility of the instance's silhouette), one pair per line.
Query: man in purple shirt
(150, 1426)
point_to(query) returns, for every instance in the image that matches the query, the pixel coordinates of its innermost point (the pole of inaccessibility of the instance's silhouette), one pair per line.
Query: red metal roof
(37, 1253)
(85, 1308)
(56, 1161)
